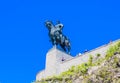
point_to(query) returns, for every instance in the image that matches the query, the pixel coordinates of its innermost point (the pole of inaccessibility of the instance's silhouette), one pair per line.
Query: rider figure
(56, 35)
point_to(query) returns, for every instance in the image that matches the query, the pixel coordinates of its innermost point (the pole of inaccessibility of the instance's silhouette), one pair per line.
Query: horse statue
(56, 35)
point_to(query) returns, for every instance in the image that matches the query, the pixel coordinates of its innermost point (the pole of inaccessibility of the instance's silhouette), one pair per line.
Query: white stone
(55, 65)
(53, 60)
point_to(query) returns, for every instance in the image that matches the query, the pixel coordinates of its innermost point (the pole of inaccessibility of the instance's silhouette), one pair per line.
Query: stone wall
(55, 65)
(83, 58)
(53, 60)
(40, 75)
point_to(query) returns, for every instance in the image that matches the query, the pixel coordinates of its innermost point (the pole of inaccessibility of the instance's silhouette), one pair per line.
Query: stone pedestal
(53, 59)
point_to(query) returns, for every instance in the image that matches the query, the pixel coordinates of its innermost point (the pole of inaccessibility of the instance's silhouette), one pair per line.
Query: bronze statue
(57, 37)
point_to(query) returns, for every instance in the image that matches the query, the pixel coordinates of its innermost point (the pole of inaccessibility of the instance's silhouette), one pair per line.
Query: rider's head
(58, 22)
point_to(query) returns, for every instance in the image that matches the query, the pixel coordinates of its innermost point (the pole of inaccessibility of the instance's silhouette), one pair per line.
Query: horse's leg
(67, 44)
(63, 47)
(54, 41)
(69, 48)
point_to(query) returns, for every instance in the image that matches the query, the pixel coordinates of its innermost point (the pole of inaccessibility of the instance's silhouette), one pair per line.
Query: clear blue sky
(24, 39)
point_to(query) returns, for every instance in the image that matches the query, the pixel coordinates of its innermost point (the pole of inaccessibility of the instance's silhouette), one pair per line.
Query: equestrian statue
(57, 37)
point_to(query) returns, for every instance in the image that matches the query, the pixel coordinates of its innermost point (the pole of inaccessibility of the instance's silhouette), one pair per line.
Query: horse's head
(49, 24)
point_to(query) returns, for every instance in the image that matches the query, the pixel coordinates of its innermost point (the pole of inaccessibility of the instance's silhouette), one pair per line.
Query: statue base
(54, 58)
